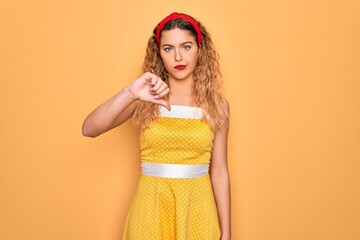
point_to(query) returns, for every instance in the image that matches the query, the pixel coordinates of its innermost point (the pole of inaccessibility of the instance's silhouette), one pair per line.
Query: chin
(180, 76)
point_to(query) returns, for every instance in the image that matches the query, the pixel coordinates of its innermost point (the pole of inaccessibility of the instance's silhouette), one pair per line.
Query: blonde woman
(184, 188)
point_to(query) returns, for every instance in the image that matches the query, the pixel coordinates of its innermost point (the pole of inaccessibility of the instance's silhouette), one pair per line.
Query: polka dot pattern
(177, 140)
(174, 208)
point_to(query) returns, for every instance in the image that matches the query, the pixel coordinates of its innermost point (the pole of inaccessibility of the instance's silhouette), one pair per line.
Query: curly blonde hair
(207, 79)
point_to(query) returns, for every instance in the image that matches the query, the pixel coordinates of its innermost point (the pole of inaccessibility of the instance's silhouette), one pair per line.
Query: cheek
(194, 59)
(164, 60)
(166, 64)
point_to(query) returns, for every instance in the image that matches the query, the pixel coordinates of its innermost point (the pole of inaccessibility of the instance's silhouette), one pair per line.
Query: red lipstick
(180, 67)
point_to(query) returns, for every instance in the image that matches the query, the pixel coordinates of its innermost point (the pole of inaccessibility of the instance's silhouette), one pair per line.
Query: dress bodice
(178, 136)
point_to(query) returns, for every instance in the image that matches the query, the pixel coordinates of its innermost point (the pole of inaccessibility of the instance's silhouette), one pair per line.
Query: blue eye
(167, 49)
(186, 47)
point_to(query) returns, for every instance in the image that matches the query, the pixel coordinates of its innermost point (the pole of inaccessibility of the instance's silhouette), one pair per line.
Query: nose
(178, 56)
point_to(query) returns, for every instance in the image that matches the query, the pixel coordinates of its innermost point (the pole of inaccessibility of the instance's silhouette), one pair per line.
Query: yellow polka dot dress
(170, 208)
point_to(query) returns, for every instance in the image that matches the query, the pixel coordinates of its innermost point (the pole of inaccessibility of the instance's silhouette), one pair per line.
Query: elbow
(88, 134)
(220, 173)
(87, 131)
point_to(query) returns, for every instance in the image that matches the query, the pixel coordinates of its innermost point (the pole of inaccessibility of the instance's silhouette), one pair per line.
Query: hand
(151, 88)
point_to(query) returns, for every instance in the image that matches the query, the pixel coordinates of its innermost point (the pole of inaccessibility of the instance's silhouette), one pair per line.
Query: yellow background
(291, 75)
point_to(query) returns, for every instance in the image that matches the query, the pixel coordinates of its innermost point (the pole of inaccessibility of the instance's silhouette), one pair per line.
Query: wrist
(129, 93)
(225, 235)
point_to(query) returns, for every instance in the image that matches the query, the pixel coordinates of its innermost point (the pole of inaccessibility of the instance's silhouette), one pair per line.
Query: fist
(151, 88)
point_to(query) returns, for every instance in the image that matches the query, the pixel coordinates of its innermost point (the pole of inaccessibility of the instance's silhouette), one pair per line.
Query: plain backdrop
(291, 75)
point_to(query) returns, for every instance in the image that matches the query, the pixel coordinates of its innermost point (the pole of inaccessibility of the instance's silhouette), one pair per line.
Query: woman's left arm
(221, 181)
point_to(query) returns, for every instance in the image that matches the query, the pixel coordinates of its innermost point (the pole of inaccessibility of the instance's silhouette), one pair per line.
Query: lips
(180, 67)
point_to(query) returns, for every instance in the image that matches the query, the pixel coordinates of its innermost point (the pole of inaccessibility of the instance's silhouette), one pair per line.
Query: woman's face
(179, 52)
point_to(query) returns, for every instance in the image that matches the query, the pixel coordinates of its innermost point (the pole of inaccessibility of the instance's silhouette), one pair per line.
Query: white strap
(174, 170)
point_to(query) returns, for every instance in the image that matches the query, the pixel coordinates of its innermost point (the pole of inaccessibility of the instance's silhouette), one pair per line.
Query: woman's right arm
(110, 114)
(121, 107)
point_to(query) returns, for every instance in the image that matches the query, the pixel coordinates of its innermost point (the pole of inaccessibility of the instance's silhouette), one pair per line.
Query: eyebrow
(183, 43)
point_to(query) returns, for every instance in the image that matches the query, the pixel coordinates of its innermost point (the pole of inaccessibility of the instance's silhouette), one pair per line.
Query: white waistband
(174, 170)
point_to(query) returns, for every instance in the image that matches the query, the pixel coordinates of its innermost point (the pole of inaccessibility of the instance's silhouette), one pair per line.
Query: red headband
(174, 16)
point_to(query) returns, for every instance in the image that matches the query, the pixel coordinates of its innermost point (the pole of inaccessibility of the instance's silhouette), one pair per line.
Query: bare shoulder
(227, 105)
(227, 112)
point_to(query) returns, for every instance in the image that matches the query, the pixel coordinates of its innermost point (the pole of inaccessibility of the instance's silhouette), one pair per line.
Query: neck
(181, 92)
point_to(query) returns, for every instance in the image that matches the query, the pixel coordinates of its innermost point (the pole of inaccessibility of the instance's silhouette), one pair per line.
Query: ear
(199, 49)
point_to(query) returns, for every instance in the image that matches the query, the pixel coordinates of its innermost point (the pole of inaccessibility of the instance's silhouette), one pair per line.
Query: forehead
(176, 36)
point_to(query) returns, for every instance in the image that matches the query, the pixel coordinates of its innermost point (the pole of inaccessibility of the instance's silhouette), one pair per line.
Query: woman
(184, 122)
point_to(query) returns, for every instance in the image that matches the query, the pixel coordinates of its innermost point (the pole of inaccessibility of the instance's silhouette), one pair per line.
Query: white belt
(174, 170)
